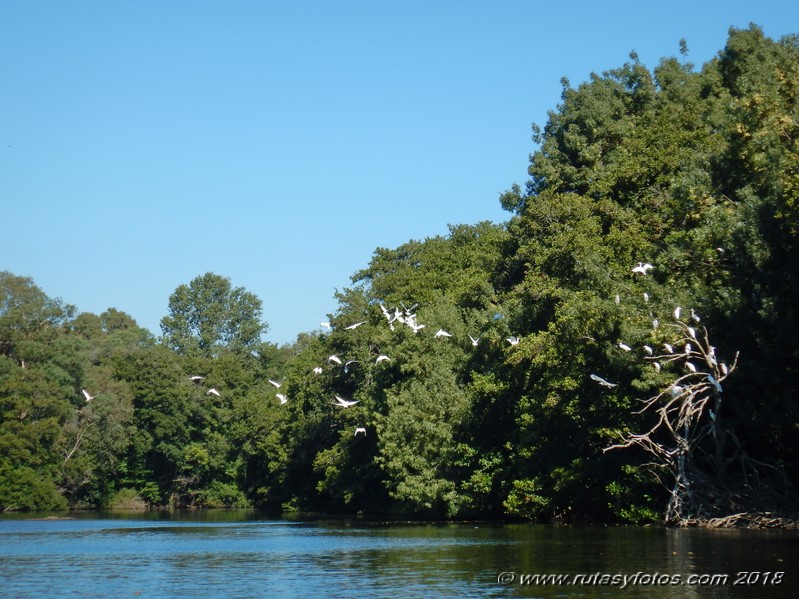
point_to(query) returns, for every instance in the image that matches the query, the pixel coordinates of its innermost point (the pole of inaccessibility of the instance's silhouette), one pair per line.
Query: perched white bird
(624, 346)
(690, 367)
(354, 326)
(382, 358)
(712, 380)
(695, 316)
(657, 366)
(474, 341)
(676, 390)
(677, 312)
(274, 383)
(648, 350)
(213, 391)
(603, 382)
(513, 340)
(642, 268)
(334, 359)
(360, 431)
(442, 333)
(646, 296)
(688, 349)
(668, 348)
(724, 369)
(317, 370)
(283, 399)
(617, 299)
(655, 323)
(692, 332)
(86, 395)
(344, 403)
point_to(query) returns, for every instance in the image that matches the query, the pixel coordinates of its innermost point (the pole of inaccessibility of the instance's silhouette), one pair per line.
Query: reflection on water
(235, 554)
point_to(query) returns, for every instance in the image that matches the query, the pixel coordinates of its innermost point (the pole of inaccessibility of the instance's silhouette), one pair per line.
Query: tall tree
(209, 314)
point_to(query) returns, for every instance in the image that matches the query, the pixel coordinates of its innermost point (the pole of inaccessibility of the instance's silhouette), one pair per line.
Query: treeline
(490, 408)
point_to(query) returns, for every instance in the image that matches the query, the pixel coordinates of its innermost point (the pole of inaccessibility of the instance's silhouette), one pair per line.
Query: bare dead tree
(710, 477)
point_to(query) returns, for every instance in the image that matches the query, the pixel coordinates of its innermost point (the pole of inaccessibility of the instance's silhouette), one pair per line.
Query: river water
(238, 554)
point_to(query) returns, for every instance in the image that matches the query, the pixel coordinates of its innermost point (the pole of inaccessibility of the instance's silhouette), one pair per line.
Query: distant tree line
(492, 367)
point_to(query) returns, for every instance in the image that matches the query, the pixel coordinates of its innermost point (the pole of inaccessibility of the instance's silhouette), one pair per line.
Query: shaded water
(235, 554)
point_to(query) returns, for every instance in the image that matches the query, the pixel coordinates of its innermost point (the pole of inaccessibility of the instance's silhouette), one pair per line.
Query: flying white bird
(442, 333)
(624, 346)
(213, 391)
(344, 403)
(86, 395)
(275, 383)
(603, 382)
(334, 358)
(325, 325)
(196, 378)
(642, 268)
(513, 340)
(347, 365)
(474, 341)
(382, 358)
(417, 327)
(354, 326)
(360, 431)
(283, 399)
(317, 370)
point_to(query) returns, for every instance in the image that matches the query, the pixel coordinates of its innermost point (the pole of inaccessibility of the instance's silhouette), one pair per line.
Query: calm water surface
(235, 554)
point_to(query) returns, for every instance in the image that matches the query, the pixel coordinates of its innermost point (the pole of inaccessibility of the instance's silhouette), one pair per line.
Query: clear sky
(144, 143)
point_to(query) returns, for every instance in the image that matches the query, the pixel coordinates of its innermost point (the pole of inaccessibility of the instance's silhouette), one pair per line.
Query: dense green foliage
(693, 171)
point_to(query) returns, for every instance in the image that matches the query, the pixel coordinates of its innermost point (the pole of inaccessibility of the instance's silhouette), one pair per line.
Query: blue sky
(145, 143)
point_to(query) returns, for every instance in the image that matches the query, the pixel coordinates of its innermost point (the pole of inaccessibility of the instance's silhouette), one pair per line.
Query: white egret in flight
(274, 383)
(474, 341)
(317, 370)
(344, 403)
(334, 359)
(213, 391)
(347, 365)
(325, 325)
(442, 333)
(86, 395)
(360, 431)
(382, 358)
(352, 327)
(283, 399)
(196, 378)
(513, 340)
(642, 268)
(603, 382)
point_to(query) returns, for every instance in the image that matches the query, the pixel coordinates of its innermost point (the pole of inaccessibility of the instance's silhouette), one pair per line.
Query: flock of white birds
(407, 317)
